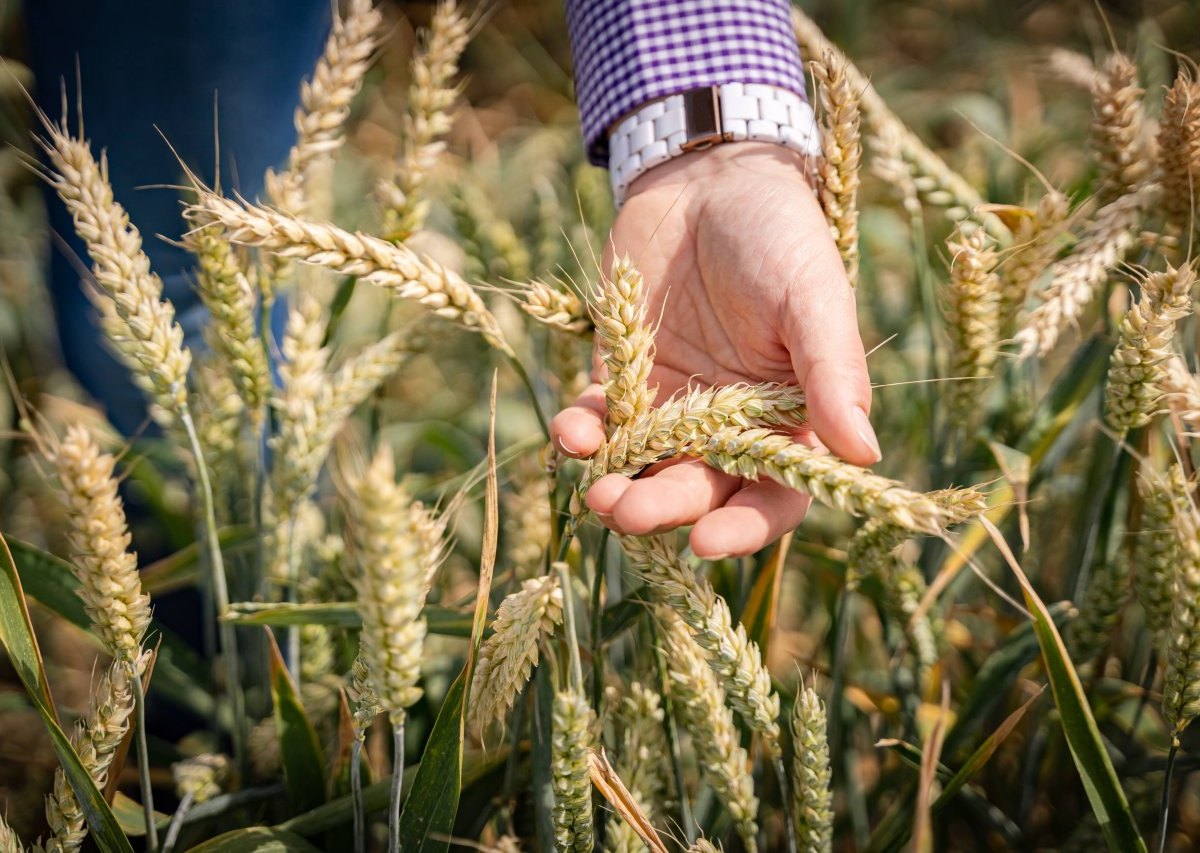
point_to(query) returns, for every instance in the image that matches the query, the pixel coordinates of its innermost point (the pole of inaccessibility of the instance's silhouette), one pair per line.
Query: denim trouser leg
(179, 66)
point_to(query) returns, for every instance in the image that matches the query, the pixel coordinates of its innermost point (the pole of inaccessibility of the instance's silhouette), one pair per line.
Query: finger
(578, 430)
(676, 496)
(605, 492)
(827, 355)
(750, 520)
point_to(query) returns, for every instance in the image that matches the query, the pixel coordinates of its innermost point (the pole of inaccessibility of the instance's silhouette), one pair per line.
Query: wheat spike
(625, 341)
(643, 744)
(1181, 681)
(1075, 279)
(734, 658)
(699, 701)
(758, 453)
(556, 308)
(96, 737)
(972, 319)
(571, 739)
(1156, 548)
(378, 262)
(134, 316)
(1182, 389)
(362, 693)
(218, 411)
(491, 244)
(1137, 369)
(1179, 149)
(524, 620)
(325, 101)
(9, 842)
(1089, 632)
(842, 148)
(202, 777)
(528, 525)
(393, 566)
(812, 799)
(1036, 240)
(1117, 129)
(703, 845)
(431, 95)
(231, 332)
(109, 585)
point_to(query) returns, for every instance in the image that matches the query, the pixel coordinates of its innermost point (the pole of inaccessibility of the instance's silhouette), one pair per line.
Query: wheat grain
(393, 567)
(1117, 129)
(96, 737)
(325, 101)
(841, 146)
(571, 738)
(378, 262)
(625, 341)
(1075, 278)
(758, 453)
(972, 318)
(1179, 149)
(109, 585)
(699, 701)
(524, 620)
(201, 777)
(134, 316)
(1137, 369)
(734, 658)
(430, 98)
(812, 798)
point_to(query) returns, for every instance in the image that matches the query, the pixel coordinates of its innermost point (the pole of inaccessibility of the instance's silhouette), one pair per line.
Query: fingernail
(866, 433)
(564, 447)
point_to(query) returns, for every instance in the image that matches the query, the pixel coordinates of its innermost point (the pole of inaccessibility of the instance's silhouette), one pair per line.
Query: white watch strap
(702, 117)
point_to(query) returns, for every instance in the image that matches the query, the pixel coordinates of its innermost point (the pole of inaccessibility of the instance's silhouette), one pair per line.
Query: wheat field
(342, 592)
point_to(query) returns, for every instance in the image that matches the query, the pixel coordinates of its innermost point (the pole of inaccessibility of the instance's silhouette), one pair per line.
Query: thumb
(831, 366)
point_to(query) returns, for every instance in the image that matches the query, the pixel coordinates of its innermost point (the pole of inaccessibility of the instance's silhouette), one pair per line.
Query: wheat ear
(1183, 390)
(109, 585)
(1181, 681)
(9, 841)
(972, 318)
(625, 341)
(392, 266)
(1089, 632)
(325, 101)
(571, 738)
(219, 412)
(841, 146)
(1137, 370)
(1036, 239)
(1075, 279)
(699, 701)
(524, 620)
(733, 657)
(556, 308)
(643, 744)
(812, 798)
(431, 95)
(1156, 548)
(96, 737)
(1179, 149)
(392, 569)
(200, 777)
(1117, 129)
(129, 297)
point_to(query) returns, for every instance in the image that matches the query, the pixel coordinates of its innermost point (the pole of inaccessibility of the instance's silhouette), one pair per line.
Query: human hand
(739, 264)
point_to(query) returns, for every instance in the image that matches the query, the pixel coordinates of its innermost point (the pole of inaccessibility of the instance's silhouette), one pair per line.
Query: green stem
(356, 793)
(177, 819)
(397, 785)
(289, 594)
(220, 589)
(576, 668)
(597, 624)
(1165, 808)
(139, 704)
(528, 383)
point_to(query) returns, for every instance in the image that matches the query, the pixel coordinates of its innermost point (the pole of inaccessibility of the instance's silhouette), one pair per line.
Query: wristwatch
(699, 118)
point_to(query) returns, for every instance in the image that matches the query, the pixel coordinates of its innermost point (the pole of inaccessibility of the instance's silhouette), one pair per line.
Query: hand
(739, 263)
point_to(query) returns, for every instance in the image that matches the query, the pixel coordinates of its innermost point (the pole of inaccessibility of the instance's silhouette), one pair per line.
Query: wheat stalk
(525, 619)
(571, 738)
(812, 798)
(430, 98)
(96, 737)
(393, 565)
(841, 146)
(1137, 369)
(388, 265)
(1075, 279)
(971, 310)
(699, 700)
(1179, 149)
(1117, 129)
(134, 316)
(625, 341)
(109, 585)
(733, 657)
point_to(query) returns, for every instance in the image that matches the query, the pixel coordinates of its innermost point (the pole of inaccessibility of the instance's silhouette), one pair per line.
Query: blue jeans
(191, 69)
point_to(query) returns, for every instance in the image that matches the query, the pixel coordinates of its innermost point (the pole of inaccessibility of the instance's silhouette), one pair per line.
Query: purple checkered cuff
(628, 52)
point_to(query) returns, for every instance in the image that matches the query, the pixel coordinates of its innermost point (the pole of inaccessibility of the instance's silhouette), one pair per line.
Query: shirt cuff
(628, 52)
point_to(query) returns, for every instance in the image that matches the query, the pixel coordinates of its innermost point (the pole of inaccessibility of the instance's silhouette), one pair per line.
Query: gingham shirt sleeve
(628, 52)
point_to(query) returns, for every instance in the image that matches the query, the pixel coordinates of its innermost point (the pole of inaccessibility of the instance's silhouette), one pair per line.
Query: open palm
(747, 285)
